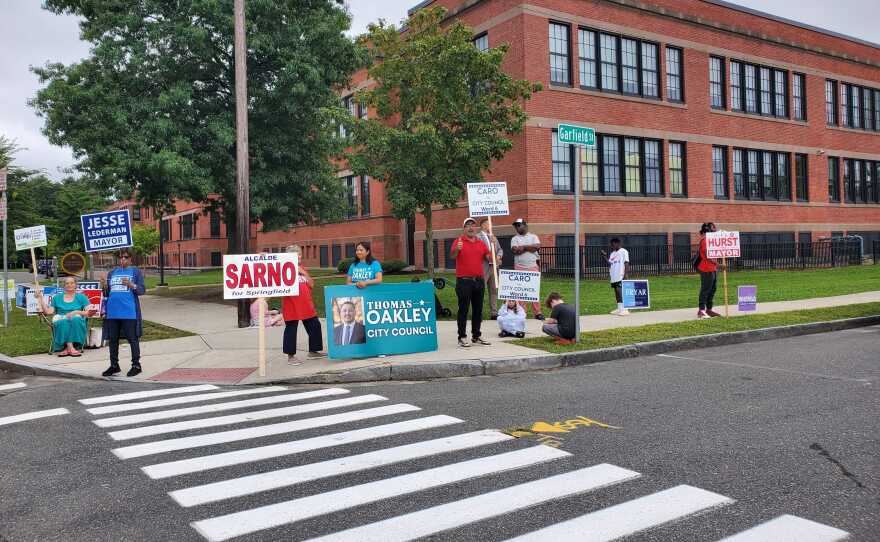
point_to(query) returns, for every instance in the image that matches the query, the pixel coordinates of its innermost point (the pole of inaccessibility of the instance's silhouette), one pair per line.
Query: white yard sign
(32, 237)
(487, 199)
(260, 275)
(519, 285)
(722, 244)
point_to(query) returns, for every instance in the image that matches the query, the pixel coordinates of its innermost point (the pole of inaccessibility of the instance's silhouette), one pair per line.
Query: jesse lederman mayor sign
(381, 319)
(108, 230)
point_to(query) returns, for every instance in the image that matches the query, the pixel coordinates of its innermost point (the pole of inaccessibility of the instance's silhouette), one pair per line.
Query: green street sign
(576, 135)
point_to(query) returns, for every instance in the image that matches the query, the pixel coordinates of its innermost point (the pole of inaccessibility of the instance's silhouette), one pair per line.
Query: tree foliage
(150, 113)
(445, 112)
(145, 239)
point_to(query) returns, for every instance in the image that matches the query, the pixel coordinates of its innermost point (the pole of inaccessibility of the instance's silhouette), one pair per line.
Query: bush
(344, 264)
(393, 266)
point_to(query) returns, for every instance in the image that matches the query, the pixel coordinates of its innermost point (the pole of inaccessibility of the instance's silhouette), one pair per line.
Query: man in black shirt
(561, 323)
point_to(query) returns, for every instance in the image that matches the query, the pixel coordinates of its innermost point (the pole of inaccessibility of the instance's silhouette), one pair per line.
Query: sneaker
(615, 312)
(479, 341)
(520, 334)
(316, 355)
(504, 334)
(701, 315)
(292, 361)
(712, 313)
(112, 370)
(134, 371)
(539, 316)
(623, 312)
(463, 342)
(493, 316)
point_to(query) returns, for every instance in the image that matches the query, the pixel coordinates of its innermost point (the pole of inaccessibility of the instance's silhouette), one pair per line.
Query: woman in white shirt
(512, 320)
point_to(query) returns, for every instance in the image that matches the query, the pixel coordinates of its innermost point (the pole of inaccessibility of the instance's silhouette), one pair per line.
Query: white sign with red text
(722, 244)
(260, 275)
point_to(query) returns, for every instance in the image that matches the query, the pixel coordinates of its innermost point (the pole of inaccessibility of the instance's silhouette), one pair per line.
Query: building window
(589, 168)
(608, 53)
(736, 101)
(751, 85)
(165, 230)
(611, 164)
(868, 109)
(216, 259)
(872, 183)
(783, 176)
(632, 165)
(481, 42)
(650, 86)
(860, 179)
(136, 213)
(798, 105)
(559, 62)
(677, 176)
(844, 105)
(561, 165)
(739, 181)
(848, 180)
(767, 171)
(652, 164)
(831, 102)
(780, 93)
(629, 57)
(877, 110)
(800, 176)
(716, 82)
(350, 197)
(674, 89)
(186, 226)
(854, 107)
(765, 84)
(587, 58)
(215, 224)
(753, 189)
(833, 179)
(365, 195)
(719, 172)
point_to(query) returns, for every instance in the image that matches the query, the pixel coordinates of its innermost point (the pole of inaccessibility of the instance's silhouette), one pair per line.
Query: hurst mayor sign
(722, 244)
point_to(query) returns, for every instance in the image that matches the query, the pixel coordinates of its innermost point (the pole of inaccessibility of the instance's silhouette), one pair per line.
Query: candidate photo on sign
(348, 318)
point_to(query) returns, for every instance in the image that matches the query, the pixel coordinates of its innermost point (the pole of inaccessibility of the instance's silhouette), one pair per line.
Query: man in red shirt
(708, 276)
(469, 253)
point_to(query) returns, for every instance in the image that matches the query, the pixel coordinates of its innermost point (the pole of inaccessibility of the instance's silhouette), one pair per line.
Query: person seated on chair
(69, 320)
(512, 320)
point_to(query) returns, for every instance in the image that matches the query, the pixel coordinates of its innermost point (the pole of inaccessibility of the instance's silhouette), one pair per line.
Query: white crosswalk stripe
(247, 493)
(128, 407)
(15, 386)
(631, 517)
(184, 443)
(503, 501)
(33, 416)
(789, 529)
(144, 394)
(265, 517)
(174, 427)
(215, 407)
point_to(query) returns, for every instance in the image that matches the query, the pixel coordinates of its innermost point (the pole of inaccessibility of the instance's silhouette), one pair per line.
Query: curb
(497, 366)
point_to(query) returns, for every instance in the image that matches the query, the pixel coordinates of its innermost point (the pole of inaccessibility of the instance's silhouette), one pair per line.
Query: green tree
(145, 239)
(445, 112)
(150, 113)
(74, 197)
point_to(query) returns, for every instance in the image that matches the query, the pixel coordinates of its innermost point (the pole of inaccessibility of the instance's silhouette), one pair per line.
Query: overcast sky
(32, 36)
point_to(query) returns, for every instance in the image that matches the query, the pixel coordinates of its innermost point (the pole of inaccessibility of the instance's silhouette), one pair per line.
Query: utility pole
(242, 173)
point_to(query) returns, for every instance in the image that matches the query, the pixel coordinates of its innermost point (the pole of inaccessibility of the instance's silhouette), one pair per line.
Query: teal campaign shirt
(363, 271)
(120, 303)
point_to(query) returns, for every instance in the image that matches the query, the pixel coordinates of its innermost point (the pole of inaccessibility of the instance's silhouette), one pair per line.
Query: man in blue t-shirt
(123, 313)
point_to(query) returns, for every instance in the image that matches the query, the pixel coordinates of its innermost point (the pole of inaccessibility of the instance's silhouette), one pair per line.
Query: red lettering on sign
(245, 279)
(231, 274)
(260, 274)
(288, 273)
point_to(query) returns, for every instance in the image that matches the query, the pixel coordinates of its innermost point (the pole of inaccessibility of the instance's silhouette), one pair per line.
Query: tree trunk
(429, 240)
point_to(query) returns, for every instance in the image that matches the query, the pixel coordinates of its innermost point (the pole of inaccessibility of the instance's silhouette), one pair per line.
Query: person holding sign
(618, 267)
(365, 270)
(69, 321)
(524, 246)
(708, 276)
(492, 286)
(469, 254)
(123, 313)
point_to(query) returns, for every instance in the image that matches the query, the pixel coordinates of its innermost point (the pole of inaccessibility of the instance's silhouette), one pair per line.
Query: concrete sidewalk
(222, 353)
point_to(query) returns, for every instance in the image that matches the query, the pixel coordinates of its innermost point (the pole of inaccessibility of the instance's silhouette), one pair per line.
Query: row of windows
(861, 180)
(618, 165)
(614, 63)
(353, 186)
(759, 175)
(852, 106)
(756, 89)
(355, 109)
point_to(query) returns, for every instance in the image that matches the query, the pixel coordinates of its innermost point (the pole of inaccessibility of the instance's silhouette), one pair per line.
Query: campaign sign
(747, 297)
(397, 318)
(260, 275)
(636, 294)
(82, 285)
(108, 230)
(487, 199)
(519, 285)
(32, 237)
(722, 244)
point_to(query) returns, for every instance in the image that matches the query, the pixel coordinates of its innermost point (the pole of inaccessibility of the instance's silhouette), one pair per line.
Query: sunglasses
(124, 257)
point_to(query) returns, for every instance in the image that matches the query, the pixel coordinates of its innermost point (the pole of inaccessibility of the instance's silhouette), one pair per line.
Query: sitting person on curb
(69, 322)
(561, 323)
(271, 318)
(512, 320)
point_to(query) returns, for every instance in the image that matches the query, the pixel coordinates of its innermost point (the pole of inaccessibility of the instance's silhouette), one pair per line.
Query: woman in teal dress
(69, 310)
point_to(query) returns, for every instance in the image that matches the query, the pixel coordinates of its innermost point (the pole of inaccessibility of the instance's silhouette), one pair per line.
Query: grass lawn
(670, 292)
(27, 335)
(608, 338)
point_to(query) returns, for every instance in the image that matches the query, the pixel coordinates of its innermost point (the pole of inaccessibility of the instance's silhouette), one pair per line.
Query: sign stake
(5, 278)
(262, 336)
(494, 258)
(724, 274)
(34, 262)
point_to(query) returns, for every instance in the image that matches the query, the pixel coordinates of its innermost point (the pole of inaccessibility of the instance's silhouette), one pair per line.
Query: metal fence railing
(676, 259)
(876, 252)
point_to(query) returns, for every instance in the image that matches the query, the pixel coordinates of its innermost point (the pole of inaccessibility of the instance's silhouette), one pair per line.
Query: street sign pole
(5, 278)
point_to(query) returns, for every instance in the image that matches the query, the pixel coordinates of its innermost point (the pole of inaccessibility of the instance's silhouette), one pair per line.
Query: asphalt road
(786, 427)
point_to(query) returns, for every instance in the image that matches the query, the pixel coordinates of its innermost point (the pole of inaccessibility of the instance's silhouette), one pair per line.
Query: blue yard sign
(382, 319)
(109, 230)
(636, 294)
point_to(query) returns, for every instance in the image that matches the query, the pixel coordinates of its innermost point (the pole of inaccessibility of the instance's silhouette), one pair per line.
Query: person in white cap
(469, 254)
(524, 246)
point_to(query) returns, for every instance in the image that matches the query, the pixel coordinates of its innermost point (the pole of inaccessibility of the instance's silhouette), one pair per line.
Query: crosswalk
(267, 498)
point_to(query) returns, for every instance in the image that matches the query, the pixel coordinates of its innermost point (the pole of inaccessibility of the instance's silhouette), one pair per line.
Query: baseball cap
(519, 221)
(468, 219)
